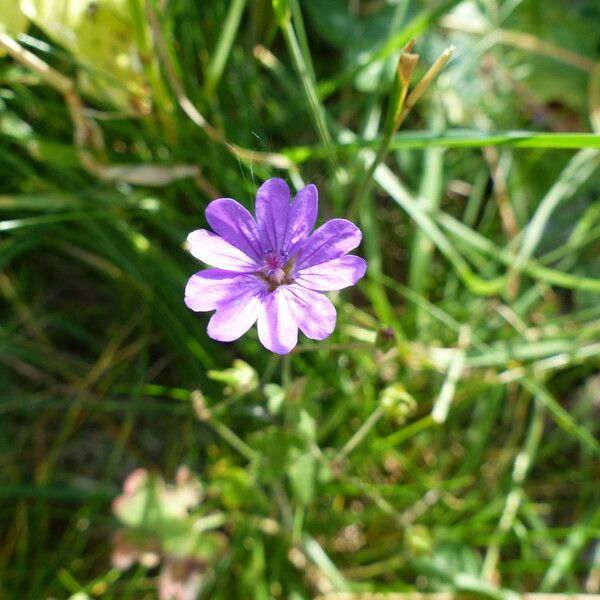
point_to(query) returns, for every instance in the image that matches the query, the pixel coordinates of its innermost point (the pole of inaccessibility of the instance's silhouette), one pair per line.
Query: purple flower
(272, 270)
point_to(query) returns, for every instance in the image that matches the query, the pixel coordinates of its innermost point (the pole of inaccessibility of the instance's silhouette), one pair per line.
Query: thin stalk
(430, 194)
(303, 69)
(298, 21)
(286, 371)
(579, 169)
(465, 235)
(442, 404)
(522, 463)
(359, 435)
(167, 58)
(222, 50)
(403, 104)
(205, 415)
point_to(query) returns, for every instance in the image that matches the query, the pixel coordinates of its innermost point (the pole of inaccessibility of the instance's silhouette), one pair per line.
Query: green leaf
(100, 36)
(307, 427)
(448, 560)
(338, 25)
(234, 486)
(12, 19)
(282, 11)
(148, 503)
(274, 447)
(275, 397)
(302, 474)
(240, 379)
(184, 541)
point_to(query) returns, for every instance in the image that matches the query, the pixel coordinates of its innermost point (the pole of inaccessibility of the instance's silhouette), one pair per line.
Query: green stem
(224, 45)
(303, 68)
(523, 462)
(286, 371)
(430, 194)
(359, 435)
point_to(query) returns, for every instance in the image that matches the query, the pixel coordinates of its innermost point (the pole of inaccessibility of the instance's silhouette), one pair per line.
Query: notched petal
(277, 327)
(302, 217)
(272, 206)
(335, 274)
(217, 252)
(314, 312)
(236, 316)
(235, 224)
(332, 240)
(208, 289)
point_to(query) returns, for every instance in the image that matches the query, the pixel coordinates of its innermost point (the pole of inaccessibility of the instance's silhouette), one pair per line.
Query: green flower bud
(397, 404)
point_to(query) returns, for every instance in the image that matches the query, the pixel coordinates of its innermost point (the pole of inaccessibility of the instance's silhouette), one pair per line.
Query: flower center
(276, 269)
(274, 262)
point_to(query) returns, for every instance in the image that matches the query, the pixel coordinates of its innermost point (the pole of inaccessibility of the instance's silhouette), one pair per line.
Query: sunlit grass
(481, 227)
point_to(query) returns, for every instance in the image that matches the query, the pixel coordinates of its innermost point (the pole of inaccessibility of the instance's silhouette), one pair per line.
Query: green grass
(481, 223)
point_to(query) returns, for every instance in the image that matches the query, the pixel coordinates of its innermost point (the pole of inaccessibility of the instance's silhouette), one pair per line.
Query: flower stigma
(276, 269)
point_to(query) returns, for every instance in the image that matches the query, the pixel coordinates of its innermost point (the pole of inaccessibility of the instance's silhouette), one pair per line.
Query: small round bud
(386, 339)
(397, 404)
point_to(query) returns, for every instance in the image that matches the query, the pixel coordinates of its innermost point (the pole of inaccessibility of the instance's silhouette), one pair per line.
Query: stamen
(276, 268)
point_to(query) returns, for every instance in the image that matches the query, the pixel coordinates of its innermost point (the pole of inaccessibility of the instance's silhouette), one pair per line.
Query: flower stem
(359, 436)
(205, 415)
(286, 371)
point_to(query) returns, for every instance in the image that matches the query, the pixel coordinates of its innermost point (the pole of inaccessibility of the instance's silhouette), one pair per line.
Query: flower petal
(302, 217)
(314, 312)
(208, 289)
(235, 316)
(272, 207)
(234, 224)
(335, 274)
(332, 240)
(277, 328)
(217, 252)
